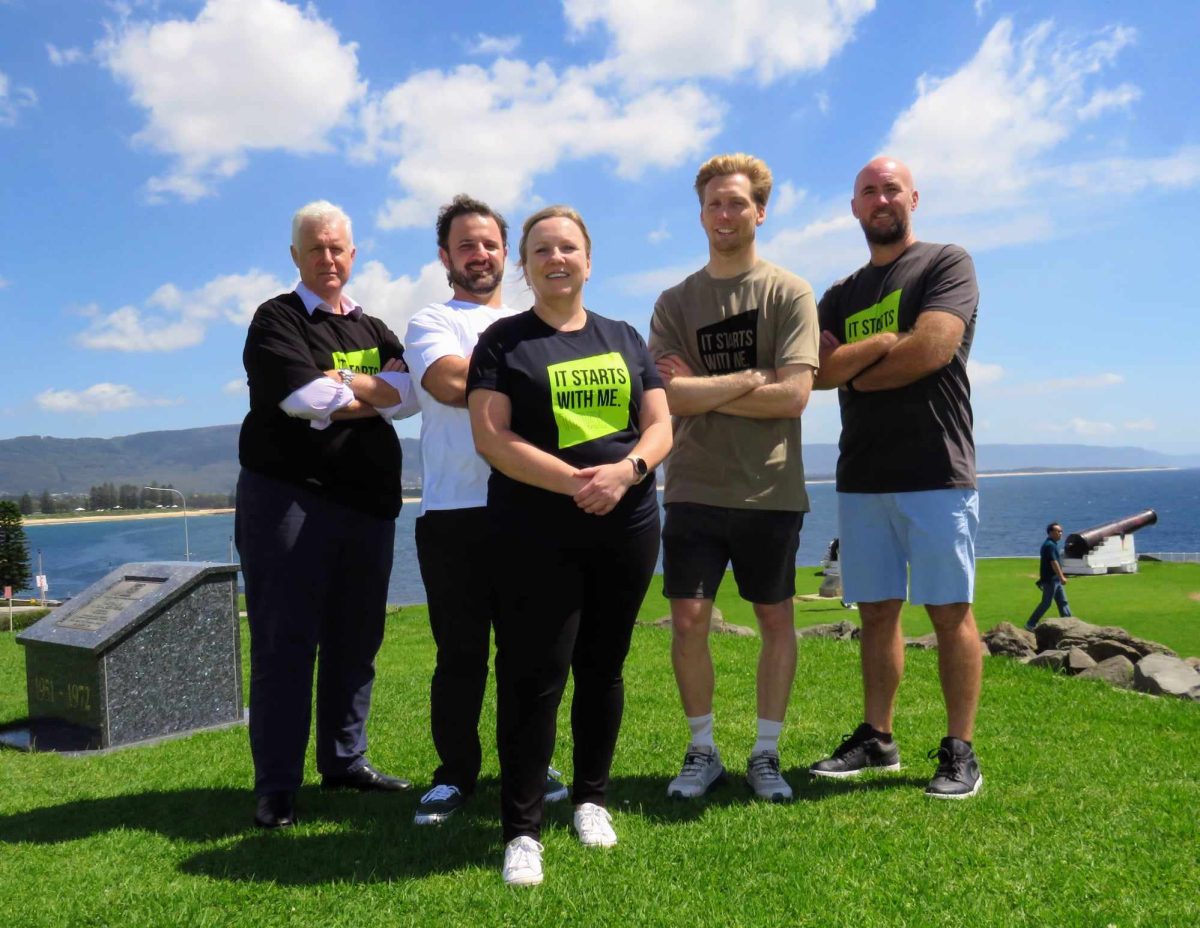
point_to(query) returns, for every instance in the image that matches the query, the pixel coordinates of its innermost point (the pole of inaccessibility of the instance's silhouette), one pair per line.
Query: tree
(25, 504)
(14, 549)
(47, 503)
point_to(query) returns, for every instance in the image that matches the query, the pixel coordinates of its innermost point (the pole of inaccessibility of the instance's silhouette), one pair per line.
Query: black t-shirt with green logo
(355, 462)
(576, 395)
(916, 437)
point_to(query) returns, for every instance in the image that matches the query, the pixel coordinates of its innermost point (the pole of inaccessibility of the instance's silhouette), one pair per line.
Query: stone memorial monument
(151, 650)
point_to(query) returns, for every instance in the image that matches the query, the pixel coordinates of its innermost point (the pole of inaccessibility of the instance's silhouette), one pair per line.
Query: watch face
(640, 466)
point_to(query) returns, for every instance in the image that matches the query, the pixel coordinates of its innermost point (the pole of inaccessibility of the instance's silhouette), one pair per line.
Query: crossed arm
(890, 360)
(596, 490)
(759, 393)
(370, 393)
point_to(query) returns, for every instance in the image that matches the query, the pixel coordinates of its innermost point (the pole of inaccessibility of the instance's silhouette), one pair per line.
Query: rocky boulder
(1161, 675)
(1105, 648)
(1064, 634)
(1053, 659)
(1077, 661)
(716, 624)
(1116, 671)
(839, 631)
(1008, 640)
(922, 642)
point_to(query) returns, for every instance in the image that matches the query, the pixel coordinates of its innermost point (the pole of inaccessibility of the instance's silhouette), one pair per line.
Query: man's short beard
(474, 285)
(890, 236)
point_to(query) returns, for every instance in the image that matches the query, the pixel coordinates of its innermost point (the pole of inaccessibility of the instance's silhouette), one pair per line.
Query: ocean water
(1014, 511)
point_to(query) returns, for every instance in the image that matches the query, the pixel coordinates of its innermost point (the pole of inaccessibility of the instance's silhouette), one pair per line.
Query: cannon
(1106, 547)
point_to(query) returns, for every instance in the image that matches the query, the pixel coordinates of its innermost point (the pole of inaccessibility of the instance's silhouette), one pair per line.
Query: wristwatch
(347, 376)
(640, 469)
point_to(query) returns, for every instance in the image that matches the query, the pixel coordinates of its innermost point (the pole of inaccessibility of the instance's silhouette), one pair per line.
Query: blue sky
(153, 152)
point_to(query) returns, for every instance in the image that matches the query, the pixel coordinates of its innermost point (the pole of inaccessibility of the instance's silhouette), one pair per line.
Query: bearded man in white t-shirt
(451, 537)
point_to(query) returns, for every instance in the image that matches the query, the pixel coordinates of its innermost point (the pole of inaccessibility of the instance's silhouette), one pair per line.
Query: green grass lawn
(1087, 816)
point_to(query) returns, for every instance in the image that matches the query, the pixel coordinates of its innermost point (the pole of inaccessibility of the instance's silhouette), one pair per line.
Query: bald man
(895, 336)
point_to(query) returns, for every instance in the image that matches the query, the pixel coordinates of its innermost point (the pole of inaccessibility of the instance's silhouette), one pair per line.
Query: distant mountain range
(205, 460)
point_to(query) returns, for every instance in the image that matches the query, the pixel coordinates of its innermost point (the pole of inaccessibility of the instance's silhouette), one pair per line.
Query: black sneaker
(858, 751)
(957, 775)
(439, 804)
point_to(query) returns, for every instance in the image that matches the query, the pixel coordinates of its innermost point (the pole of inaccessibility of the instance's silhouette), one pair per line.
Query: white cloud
(103, 397)
(572, 114)
(12, 100)
(1057, 385)
(1140, 425)
(61, 57)
(172, 318)
(498, 45)
(1104, 100)
(981, 7)
(1131, 175)
(1023, 96)
(235, 387)
(659, 235)
(682, 39)
(395, 299)
(980, 372)
(244, 75)
(1085, 428)
(823, 102)
(785, 198)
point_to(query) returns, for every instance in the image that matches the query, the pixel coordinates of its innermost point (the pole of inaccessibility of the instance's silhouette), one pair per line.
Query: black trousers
(316, 578)
(563, 603)
(456, 566)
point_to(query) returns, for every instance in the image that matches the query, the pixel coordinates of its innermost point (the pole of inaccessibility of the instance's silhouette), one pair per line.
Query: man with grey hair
(317, 500)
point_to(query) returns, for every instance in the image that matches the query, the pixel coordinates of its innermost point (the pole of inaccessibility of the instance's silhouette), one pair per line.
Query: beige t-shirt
(765, 318)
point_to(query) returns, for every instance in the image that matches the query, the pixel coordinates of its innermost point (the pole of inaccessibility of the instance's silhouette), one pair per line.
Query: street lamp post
(187, 550)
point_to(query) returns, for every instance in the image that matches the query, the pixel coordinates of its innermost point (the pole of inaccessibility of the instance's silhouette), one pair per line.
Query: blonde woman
(568, 409)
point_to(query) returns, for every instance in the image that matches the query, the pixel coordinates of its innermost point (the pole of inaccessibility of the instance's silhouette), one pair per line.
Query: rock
(1064, 634)
(840, 631)
(716, 624)
(1077, 661)
(1052, 659)
(1161, 675)
(1106, 648)
(1008, 640)
(1194, 661)
(1116, 671)
(922, 642)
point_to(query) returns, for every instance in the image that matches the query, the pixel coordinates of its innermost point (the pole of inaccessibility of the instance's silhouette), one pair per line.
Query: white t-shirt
(453, 475)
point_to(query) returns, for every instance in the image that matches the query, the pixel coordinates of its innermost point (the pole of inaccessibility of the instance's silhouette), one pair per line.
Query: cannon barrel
(1080, 543)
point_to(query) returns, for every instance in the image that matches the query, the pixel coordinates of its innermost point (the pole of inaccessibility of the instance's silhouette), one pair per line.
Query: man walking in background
(317, 500)
(1050, 577)
(736, 344)
(895, 336)
(451, 529)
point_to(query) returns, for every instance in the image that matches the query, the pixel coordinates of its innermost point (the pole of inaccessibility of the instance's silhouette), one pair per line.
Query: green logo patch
(363, 361)
(589, 397)
(884, 316)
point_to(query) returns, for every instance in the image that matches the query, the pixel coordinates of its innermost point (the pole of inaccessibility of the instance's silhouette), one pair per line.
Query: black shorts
(700, 541)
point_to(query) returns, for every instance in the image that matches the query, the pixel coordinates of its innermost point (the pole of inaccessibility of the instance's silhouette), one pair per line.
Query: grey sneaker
(702, 768)
(858, 751)
(556, 790)
(957, 775)
(763, 776)
(439, 804)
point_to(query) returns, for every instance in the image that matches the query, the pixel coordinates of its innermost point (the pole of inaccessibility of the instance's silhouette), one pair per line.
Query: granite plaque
(151, 650)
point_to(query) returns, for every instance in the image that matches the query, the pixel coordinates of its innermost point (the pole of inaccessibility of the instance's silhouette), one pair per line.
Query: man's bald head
(884, 198)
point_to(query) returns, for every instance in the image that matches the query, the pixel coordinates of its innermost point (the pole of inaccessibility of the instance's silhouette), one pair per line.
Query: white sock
(702, 730)
(768, 736)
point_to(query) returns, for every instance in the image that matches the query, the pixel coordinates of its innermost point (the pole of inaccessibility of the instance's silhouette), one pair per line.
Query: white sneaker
(593, 824)
(523, 862)
(702, 767)
(763, 776)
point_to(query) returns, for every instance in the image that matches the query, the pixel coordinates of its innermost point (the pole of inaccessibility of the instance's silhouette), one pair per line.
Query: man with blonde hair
(737, 344)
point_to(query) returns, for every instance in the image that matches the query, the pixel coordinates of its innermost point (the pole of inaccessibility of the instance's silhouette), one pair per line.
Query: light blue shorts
(921, 544)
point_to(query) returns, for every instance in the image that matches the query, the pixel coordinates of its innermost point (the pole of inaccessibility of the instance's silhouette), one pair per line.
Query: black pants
(562, 604)
(456, 564)
(316, 582)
